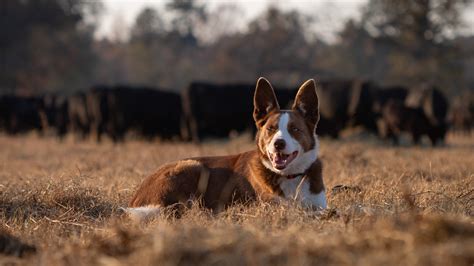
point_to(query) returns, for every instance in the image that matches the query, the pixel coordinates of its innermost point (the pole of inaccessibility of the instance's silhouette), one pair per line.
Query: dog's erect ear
(264, 100)
(307, 102)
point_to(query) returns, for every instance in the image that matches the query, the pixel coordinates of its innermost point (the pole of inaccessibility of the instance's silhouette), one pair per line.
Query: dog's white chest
(298, 190)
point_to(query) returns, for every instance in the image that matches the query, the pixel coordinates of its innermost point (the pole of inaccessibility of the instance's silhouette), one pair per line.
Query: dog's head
(286, 138)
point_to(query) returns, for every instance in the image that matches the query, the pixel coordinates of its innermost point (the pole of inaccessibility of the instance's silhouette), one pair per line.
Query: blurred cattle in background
(334, 100)
(211, 110)
(379, 98)
(418, 111)
(114, 111)
(79, 118)
(97, 108)
(382, 95)
(117, 110)
(461, 114)
(435, 107)
(344, 103)
(53, 111)
(148, 112)
(400, 118)
(385, 111)
(19, 114)
(217, 110)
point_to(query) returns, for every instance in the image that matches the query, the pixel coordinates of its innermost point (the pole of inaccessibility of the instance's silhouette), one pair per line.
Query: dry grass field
(414, 206)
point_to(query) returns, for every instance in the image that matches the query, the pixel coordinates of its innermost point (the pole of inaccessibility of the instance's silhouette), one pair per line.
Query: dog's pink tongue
(280, 161)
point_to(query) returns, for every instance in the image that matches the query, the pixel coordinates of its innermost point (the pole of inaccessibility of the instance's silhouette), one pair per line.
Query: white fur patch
(298, 189)
(282, 133)
(302, 161)
(143, 213)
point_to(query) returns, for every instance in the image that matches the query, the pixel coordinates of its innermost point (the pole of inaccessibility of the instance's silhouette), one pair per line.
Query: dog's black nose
(280, 144)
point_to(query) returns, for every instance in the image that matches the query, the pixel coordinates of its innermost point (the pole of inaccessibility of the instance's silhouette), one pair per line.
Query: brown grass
(415, 207)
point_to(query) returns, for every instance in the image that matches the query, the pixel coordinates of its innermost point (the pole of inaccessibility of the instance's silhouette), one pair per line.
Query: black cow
(384, 94)
(361, 105)
(149, 112)
(97, 105)
(334, 98)
(461, 115)
(54, 113)
(19, 114)
(460, 119)
(398, 118)
(427, 106)
(217, 110)
(344, 103)
(380, 96)
(435, 107)
(79, 119)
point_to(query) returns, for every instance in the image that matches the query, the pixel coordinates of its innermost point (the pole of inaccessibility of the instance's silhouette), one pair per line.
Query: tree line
(49, 46)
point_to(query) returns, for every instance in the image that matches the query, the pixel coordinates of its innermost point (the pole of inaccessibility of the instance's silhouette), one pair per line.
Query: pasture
(407, 205)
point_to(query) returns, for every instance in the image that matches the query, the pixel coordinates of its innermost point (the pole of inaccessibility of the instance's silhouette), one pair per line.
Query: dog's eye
(271, 128)
(295, 129)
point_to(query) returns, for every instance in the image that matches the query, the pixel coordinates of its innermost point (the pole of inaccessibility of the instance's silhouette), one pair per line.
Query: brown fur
(315, 176)
(304, 129)
(218, 181)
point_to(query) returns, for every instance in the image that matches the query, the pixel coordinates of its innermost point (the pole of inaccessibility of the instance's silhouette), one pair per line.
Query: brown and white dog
(285, 165)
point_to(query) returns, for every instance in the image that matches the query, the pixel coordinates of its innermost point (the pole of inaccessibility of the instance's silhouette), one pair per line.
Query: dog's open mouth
(280, 160)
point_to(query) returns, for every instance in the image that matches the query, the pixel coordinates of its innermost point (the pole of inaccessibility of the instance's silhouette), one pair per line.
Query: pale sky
(331, 14)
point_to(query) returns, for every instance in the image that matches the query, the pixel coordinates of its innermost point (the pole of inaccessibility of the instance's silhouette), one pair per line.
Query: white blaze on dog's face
(286, 138)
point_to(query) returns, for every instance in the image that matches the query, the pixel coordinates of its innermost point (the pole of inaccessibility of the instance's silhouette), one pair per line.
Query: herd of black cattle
(205, 110)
